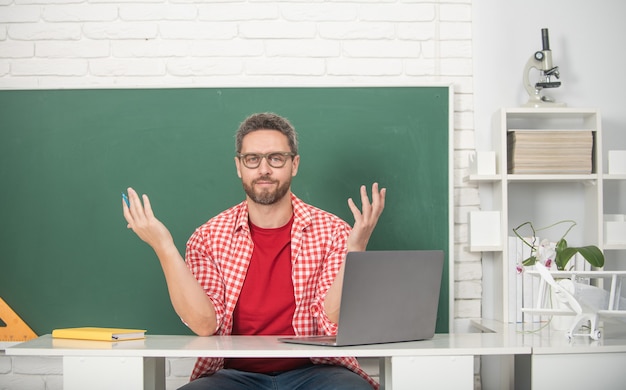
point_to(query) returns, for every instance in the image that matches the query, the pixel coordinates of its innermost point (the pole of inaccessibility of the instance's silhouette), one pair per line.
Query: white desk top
(267, 346)
(545, 341)
(497, 339)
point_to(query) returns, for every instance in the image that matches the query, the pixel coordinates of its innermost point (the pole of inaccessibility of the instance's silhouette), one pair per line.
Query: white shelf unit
(545, 198)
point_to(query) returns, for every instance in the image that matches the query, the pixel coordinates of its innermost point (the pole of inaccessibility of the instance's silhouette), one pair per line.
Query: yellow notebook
(102, 334)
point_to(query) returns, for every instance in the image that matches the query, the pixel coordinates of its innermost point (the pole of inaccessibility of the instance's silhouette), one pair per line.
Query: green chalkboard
(66, 256)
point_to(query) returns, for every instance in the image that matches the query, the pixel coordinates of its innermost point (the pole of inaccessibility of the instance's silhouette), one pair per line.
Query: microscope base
(539, 103)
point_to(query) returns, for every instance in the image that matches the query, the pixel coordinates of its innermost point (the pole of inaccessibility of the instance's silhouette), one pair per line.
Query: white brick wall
(187, 43)
(30, 373)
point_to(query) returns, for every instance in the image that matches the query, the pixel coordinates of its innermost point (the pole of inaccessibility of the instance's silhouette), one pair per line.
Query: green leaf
(592, 254)
(563, 255)
(529, 261)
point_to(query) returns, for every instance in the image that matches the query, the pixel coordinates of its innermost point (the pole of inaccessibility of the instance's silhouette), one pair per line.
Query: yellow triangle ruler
(14, 329)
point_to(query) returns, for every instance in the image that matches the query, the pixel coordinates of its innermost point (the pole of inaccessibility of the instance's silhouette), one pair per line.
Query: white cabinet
(546, 198)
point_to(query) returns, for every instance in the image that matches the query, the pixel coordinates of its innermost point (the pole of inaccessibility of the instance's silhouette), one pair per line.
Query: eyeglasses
(274, 159)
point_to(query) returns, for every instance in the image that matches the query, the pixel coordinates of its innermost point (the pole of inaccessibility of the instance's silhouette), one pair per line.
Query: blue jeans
(314, 377)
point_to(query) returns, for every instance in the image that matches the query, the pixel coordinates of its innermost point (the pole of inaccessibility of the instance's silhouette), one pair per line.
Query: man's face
(265, 184)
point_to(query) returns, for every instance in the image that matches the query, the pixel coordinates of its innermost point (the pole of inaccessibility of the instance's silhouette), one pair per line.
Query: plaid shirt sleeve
(218, 254)
(318, 247)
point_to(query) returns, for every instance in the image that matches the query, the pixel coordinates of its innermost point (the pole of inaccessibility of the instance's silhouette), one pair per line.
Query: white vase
(559, 302)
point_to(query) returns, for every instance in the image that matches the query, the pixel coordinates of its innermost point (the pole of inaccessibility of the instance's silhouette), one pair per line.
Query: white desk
(141, 364)
(558, 363)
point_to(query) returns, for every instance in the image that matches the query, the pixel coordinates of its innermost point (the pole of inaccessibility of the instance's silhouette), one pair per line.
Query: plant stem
(573, 223)
(515, 230)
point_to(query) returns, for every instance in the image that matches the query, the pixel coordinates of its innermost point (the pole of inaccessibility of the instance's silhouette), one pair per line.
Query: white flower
(545, 253)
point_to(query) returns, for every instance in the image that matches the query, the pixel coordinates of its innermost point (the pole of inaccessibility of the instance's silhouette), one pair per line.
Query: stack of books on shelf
(550, 151)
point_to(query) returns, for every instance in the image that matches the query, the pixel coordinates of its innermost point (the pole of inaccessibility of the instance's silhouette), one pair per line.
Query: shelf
(544, 177)
(553, 111)
(512, 130)
(491, 248)
(487, 178)
(613, 176)
(549, 113)
(541, 198)
(551, 177)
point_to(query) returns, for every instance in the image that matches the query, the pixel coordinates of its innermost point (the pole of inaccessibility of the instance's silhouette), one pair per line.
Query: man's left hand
(365, 220)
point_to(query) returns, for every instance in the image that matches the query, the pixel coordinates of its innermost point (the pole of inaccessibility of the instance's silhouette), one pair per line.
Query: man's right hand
(142, 221)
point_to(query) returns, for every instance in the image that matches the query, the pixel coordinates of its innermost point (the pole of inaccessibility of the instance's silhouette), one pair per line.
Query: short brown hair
(267, 121)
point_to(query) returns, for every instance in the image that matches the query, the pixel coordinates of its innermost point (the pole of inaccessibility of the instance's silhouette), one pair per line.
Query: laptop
(388, 296)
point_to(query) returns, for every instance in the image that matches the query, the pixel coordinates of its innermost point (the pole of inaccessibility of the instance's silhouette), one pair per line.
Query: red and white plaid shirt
(219, 252)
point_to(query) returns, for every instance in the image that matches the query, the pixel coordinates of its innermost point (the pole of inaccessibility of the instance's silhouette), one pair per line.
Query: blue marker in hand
(126, 199)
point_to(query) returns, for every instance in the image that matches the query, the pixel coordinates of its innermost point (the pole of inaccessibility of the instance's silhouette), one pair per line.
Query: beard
(267, 196)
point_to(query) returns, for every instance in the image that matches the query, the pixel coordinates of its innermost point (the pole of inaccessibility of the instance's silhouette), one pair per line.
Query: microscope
(548, 78)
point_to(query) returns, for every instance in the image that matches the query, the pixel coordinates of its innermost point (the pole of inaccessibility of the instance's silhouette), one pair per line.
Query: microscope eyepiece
(545, 39)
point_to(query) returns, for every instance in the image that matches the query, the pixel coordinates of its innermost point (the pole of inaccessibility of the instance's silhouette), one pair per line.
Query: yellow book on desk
(102, 334)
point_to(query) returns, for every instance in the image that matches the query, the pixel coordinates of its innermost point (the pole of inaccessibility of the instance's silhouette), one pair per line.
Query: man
(271, 265)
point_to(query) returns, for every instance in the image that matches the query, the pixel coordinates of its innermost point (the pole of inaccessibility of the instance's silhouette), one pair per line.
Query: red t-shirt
(266, 303)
